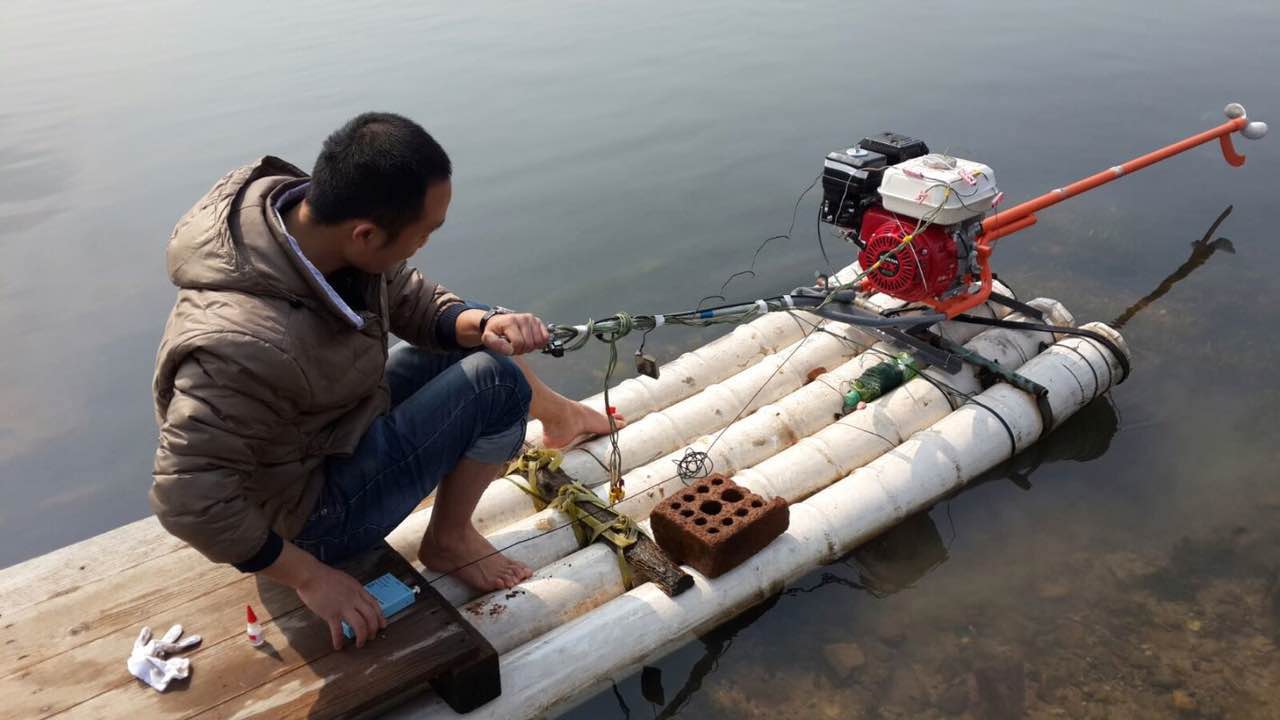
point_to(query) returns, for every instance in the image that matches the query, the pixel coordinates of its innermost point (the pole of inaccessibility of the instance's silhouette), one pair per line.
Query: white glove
(147, 662)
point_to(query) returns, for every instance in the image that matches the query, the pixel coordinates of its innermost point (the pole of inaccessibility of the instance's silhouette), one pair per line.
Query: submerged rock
(844, 658)
(955, 699)
(1002, 689)
(891, 634)
(1126, 566)
(1164, 678)
(1053, 590)
(906, 690)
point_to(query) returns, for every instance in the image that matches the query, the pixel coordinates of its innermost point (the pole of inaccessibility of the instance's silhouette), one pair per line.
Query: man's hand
(331, 594)
(515, 334)
(336, 596)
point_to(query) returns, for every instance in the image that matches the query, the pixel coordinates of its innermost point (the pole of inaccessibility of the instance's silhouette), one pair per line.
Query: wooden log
(648, 562)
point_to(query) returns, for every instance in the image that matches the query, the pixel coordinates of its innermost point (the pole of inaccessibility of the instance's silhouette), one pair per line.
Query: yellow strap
(529, 464)
(621, 532)
(624, 569)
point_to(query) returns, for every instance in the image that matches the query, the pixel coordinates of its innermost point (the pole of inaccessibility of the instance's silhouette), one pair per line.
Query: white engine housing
(938, 188)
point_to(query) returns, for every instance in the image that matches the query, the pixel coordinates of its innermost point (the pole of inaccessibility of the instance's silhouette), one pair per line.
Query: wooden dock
(68, 621)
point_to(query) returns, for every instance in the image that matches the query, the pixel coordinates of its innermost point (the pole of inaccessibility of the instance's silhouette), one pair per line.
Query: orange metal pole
(963, 303)
(1022, 216)
(1053, 197)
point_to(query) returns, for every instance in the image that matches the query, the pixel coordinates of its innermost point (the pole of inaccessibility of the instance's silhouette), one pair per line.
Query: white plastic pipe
(746, 344)
(584, 577)
(548, 535)
(558, 667)
(686, 375)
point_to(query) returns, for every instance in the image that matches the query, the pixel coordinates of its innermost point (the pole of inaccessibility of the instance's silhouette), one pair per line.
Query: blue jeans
(444, 407)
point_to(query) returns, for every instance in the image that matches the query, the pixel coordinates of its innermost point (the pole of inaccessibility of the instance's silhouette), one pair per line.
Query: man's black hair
(377, 166)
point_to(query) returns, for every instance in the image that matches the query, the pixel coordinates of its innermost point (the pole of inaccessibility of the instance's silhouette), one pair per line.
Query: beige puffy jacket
(260, 374)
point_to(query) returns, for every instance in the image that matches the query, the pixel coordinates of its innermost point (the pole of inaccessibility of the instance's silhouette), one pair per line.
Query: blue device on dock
(390, 593)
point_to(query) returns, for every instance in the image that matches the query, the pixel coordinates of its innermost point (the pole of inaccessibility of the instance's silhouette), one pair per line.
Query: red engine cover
(925, 268)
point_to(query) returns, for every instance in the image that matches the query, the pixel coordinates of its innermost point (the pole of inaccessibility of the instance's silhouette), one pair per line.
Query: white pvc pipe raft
(588, 577)
(546, 536)
(554, 670)
(663, 431)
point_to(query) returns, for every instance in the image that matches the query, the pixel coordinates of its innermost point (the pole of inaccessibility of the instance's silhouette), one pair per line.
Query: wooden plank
(298, 668)
(333, 685)
(68, 648)
(69, 568)
(80, 674)
(648, 562)
(127, 599)
(66, 569)
(104, 584)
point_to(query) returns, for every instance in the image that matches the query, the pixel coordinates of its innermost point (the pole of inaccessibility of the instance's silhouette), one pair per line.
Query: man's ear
(368, 237)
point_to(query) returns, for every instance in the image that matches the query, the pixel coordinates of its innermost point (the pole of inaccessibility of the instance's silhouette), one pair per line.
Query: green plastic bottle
(880, 379)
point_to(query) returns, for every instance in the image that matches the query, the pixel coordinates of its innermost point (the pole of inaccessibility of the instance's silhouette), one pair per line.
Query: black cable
(622, 704)
(1101, 339)
(946, 389)
(1097, 382)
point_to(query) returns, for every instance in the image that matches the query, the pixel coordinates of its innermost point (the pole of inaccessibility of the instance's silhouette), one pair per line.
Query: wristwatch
(489, 314)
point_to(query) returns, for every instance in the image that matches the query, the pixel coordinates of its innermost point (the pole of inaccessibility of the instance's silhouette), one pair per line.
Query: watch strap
(489, 315)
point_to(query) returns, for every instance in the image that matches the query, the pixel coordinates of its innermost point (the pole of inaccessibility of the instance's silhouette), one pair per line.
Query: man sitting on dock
(290, 437)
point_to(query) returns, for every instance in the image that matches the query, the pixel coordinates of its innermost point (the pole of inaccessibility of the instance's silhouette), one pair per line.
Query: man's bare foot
(473, 560)
(568, 422)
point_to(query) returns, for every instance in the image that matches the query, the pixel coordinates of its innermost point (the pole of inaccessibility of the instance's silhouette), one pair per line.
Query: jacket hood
(232, 239)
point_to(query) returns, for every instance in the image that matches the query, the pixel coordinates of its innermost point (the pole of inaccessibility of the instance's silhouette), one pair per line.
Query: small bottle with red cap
(252, 628)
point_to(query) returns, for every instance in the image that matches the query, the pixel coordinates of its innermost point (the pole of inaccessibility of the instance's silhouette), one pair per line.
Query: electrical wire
(751, 269)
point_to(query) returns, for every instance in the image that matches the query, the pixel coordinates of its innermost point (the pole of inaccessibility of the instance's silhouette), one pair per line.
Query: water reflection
(1201, 251)
(1085, 436)
(714, 646)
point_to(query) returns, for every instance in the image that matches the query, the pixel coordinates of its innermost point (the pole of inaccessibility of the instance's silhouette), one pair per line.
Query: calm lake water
(630, 156)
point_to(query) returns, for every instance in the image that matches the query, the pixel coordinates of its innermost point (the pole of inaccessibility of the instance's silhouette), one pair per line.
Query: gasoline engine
(915, 215)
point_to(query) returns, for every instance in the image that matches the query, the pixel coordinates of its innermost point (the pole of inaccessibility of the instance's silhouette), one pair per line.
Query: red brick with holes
(715, 524)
